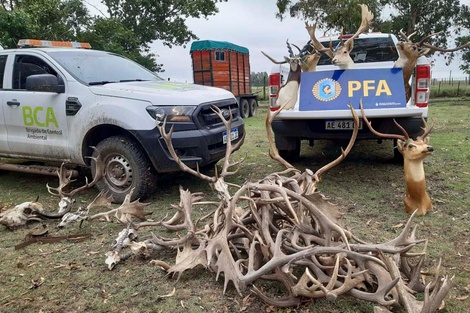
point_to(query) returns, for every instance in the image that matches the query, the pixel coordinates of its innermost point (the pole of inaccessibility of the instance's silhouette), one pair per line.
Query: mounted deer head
(310, 59)
(414, 152)
(409, 52)
(288, 93)
(340, 56)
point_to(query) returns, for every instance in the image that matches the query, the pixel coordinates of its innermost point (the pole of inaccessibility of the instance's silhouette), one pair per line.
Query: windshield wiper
(132, 80)
(103, 82)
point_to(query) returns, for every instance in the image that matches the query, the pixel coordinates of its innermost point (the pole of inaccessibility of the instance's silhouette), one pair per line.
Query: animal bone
(21, 214)
(101, 200)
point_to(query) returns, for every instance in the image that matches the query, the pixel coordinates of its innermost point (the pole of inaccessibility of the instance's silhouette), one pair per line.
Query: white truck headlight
(171, 113)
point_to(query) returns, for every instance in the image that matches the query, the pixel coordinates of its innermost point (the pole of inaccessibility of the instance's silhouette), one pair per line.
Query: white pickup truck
(322, 112)
(56, 103)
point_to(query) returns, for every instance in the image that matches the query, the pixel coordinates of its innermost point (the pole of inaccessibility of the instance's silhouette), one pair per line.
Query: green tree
(14, 25)
(44, 19)
(328, 15)
(128, 27)
(258, 79)
(463, 28)
(422, 17)
(160, 20)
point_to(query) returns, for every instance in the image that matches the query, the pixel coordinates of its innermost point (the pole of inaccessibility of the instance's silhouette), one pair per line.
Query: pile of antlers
(282, 229)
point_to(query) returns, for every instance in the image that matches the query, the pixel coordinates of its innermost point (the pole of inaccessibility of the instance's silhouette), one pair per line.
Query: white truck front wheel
(127, 167)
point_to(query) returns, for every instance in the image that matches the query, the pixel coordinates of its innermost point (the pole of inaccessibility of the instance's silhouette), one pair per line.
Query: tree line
(128, 27)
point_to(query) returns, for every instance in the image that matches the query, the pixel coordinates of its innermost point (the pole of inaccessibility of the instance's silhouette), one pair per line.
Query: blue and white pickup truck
(322, 112)
(56, 103)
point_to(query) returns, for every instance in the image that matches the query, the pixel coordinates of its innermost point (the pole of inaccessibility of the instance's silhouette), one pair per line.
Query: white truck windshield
(98, 67)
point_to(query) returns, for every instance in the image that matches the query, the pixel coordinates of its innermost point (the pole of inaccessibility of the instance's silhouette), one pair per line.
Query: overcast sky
(252, 24)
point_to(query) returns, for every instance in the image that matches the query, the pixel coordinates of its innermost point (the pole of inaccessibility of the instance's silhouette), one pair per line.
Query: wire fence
(451, 81)
(452, 87)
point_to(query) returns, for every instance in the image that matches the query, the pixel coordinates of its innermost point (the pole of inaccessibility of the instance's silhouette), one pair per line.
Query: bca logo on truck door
(334, 90)
(39, 116)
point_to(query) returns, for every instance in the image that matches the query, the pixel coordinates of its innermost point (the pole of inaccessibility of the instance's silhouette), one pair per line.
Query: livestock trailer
(225, 65)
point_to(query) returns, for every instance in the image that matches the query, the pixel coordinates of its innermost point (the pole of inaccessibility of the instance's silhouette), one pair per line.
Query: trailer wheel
(253, 107)
(244, 108)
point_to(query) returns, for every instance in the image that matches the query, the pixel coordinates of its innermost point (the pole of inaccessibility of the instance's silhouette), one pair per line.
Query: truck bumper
(286, 131)
(195, 147)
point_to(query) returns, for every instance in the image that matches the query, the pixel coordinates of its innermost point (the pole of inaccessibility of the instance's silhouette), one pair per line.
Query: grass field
(71, 276)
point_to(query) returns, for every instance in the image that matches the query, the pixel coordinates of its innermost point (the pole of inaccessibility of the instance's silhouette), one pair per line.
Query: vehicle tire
(253, 107)
(397, 156)
(244, 108)
(126, 167)
(291, 155)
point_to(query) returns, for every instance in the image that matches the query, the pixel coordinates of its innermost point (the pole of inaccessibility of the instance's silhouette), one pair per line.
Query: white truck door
(3, 130)
(35, 121)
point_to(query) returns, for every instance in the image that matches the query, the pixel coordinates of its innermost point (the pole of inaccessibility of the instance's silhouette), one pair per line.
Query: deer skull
(20, 214)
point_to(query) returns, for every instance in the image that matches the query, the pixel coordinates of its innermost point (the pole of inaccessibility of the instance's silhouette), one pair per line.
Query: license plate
(341, 124)
(233, 135)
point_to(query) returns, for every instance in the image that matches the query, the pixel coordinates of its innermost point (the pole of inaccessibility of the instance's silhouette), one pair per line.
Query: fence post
(458, 88)
(264, 87)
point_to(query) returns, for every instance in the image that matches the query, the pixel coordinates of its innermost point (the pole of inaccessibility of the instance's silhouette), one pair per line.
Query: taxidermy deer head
(409, 52)
(414, 152)
(340, 56)
(310, 59)
(288, 93)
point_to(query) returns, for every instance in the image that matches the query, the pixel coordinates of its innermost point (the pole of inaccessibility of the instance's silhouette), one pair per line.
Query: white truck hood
(159, 92)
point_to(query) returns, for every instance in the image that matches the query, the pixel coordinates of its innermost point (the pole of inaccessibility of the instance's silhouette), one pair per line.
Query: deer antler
(405, 37)
(273, 152)
(426, 129)
(403, 137)
(218, 179)
(445, 50)
(125, 211)
(366, 22)
(317, 44)
(67, 198)
(272, 60)
(344, 153)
